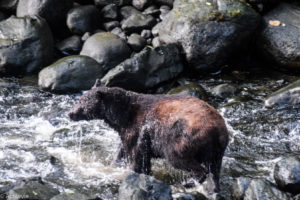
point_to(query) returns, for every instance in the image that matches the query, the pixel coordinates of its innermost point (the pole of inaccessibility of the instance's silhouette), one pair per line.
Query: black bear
(186, 131)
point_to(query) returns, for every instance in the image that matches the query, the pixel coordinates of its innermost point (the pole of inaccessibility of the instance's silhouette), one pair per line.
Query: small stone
(128, 11)
(146, 34)
(70, 46)
(111, 25)
(141, 4)
(138, 22)
(156, 42)
(136, 42)
(110, 12)
(119, 32)
(152, 10)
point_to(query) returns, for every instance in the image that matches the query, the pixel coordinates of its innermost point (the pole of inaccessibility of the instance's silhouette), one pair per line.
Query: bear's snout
(76, 114)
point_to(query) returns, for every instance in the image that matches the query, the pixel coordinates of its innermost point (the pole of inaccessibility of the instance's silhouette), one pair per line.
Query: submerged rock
(287, 174)
(208, 32)
(107, 49)
(143, 187)
(146, 69)
(288, 95)
(32, 189)
(224, 90)
(192, 89)
(83, 19)
(69, 74)
(239, 188)
(264, 190)
(26, 45)
(280, 37)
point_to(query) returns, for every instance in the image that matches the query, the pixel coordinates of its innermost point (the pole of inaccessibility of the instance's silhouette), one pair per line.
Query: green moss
(234, 13)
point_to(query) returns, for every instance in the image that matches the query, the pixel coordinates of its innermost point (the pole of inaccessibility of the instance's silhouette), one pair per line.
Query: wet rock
(32, 189)
(102, 3)
(83, 19)
(118, 31)
(208, 32)
(8, 5)
(86, 36)
(287, 174)
(70, 46)
(71, 196)
(164, 2)
(128, 11)
(297, 197)
(110, 12)
(69, 74)
(239, 188)
(138, 22)
(280, 36)
(146, 34)
(136, 42)
(164, 10)
(156, 42)
(53, 11)
(26, 45)
(107, 49)
(146, 69)
(289, 95)
(264, 190)
(141, 4)
(111, 25)
(152, 10)
(224, 90)
(192, 89)
(143, 187)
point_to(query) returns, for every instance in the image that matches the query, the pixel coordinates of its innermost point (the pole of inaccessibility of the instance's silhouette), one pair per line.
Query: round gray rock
(224, 90)
(208, 32)
(287, 174)
(107, 49)
(26, 45)
(70, 74)
(146, 69)
(83, 19)
(53, 11)
(280, 38)
(143, 187)
(70, 46)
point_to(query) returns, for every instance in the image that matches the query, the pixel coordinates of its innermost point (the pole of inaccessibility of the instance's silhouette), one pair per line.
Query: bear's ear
(97, 83)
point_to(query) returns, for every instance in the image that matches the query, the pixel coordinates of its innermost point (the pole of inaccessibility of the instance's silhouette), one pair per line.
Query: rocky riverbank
(160, 46)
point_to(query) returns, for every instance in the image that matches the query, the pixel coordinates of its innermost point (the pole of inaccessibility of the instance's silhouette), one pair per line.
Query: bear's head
(113, 105)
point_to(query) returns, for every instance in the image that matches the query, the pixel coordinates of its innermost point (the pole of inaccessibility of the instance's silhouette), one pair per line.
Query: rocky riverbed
(240, 56)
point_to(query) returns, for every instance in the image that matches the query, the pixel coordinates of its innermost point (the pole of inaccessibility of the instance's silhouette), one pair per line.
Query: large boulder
(280, 38)
(83, 19)
(208, 32)
(143, 187)
(287, 174)
(26, 45)
(54, 11)
(146, 69)
(69, 74)
(107, 49)
(289, 95)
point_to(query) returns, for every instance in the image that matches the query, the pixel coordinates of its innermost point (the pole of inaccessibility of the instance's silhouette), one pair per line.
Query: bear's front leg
(142, 158)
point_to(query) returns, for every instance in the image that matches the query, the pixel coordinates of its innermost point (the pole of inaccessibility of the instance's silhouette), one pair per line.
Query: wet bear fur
(190, 134)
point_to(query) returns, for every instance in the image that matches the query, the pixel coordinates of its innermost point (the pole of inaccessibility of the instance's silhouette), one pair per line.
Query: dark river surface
(38, 139)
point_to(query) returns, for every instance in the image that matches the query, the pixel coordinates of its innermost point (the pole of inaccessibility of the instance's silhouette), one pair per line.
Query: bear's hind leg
(142, 158)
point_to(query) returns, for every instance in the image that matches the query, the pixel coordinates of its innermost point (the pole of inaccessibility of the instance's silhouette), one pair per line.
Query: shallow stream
(38, 139)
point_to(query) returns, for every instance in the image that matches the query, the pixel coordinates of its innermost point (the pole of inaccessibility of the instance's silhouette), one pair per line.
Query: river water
(38, 139)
